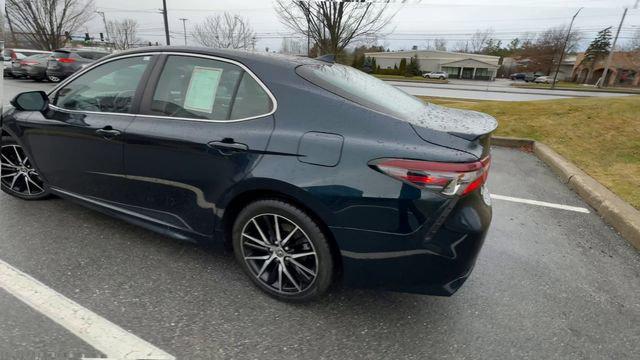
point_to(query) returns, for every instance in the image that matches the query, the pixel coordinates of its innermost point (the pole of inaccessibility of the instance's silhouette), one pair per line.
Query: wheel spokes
(17, 173)
(286, 269)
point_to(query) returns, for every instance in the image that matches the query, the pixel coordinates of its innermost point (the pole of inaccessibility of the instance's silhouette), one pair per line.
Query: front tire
(283, 250)
(17, 175)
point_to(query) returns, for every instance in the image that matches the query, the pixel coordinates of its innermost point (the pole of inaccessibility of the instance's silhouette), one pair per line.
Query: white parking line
(541, 203)
(101, 334)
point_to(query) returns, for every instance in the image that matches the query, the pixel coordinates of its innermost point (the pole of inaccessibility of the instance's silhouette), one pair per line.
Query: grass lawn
(600, 135)
(411, 78)
(562, 85)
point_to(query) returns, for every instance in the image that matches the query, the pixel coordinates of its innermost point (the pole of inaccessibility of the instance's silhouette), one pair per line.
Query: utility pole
(603, 79)
(104, 21)
(166, 22)
(184, 27)
(564, 47)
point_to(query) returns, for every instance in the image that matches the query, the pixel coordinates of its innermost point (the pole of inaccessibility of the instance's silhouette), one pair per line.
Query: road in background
(499, 90)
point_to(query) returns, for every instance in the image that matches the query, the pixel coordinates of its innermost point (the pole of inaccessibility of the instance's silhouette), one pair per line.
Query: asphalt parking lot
(552, 281)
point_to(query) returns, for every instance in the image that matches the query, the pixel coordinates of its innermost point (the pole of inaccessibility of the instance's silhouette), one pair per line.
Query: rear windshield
(92, 55)
(363, 89)
(60, 54)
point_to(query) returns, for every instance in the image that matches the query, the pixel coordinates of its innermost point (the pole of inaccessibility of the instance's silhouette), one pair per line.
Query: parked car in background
(64, 62)
(11, 55)
(518, 76)
(311, 171)
(436, 75)
(543, 80)
(32, 66)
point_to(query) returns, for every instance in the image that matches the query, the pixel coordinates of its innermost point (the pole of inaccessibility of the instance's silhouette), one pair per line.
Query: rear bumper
(60, 73)
(434, 260)
(36, 72)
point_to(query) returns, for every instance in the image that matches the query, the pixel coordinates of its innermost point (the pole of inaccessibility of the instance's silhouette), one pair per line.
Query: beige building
(624, 69)
(457, 65)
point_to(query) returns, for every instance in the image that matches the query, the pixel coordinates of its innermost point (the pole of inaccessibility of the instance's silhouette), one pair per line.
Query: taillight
(28, 62)
(446, 178)
(66, 60)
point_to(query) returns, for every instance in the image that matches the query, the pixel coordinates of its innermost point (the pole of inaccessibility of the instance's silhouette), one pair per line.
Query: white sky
(414, 23)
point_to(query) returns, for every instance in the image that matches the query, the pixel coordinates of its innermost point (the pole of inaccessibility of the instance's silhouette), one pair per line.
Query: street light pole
(184, 27)
(603, 79)
(166, 22)
(104, 21)
(564, 47)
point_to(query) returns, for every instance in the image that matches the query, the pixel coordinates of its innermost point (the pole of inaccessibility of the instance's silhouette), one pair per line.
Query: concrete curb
(619, 214)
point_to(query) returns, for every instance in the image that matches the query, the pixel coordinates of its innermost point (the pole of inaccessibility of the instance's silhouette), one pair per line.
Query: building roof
(469, 63)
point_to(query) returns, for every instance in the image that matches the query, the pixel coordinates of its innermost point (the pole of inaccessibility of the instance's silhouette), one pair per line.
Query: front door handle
(108, 132)
(227, 146)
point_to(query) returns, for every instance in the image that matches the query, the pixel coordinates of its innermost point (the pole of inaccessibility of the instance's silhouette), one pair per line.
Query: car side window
(201, 88)
(251, 99)
(109, 87)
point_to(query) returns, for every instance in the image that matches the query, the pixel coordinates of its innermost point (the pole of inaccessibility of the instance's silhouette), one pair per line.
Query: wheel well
(241, 201)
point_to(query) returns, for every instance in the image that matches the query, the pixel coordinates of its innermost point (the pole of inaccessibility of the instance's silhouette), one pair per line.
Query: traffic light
(87, 37)
(101, 37)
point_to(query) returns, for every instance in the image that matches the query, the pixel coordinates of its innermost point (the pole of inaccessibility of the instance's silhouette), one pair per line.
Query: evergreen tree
(600, 46)
(413, 68)
(403, 66)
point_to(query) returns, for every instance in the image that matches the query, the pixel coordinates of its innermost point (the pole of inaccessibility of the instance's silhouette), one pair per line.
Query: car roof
(241, 56)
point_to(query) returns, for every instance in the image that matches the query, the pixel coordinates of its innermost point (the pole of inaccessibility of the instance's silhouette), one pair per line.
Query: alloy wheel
(279, 253)
(17, 172)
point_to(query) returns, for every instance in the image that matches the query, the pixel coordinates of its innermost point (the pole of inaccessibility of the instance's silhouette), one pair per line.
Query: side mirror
(31, 101)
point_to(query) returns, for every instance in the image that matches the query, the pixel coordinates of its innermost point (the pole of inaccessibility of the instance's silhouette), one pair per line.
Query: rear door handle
(228, 146)
(108, 132)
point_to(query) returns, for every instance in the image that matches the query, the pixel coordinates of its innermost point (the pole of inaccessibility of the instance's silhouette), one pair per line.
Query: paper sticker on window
(202, 89)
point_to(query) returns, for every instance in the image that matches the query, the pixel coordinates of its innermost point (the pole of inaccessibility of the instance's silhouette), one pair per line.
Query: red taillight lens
(446, 178)
(66, 60)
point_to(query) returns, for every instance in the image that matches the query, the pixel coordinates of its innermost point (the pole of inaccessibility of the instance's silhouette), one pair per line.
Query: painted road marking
(541, 203)
(101, 334)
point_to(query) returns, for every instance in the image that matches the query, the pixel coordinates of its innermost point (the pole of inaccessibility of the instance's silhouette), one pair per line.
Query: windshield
(363, 89)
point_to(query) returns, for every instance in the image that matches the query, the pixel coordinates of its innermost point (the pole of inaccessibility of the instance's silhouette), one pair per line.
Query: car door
(79, 138)
(204, 124)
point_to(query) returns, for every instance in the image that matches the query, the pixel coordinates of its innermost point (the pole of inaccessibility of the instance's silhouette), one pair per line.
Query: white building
(457, 65)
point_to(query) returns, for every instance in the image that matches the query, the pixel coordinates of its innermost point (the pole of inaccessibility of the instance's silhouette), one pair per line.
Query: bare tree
(334, 24)
(544, 51)
(462, 46)
(480, 39)
(44, 22)
(123, 34)
(290, 46)
(634, 44)
(440, 44)
(225, 31)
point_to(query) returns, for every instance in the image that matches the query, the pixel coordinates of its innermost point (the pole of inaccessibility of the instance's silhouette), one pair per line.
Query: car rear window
(60, 54)
(363, 89)
(92, 55)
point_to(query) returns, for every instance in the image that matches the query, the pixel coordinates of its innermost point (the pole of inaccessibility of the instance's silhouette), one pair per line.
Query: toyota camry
(311, 171)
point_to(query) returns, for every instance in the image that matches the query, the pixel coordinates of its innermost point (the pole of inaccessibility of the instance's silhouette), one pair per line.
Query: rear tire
(53, 79)
(290, 261)
(18, 177)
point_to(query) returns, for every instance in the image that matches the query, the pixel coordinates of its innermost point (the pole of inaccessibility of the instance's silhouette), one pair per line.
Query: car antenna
(328, 58)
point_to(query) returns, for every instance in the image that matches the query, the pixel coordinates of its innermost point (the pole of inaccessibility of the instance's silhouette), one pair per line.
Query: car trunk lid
(465, 130)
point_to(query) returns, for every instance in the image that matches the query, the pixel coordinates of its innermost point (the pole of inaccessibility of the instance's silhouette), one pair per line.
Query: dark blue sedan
(313, 172)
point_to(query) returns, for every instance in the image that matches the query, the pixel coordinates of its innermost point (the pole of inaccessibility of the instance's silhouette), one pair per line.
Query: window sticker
(203, 85)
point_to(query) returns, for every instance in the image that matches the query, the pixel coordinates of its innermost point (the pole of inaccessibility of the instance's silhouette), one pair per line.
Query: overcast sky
(414, 24)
